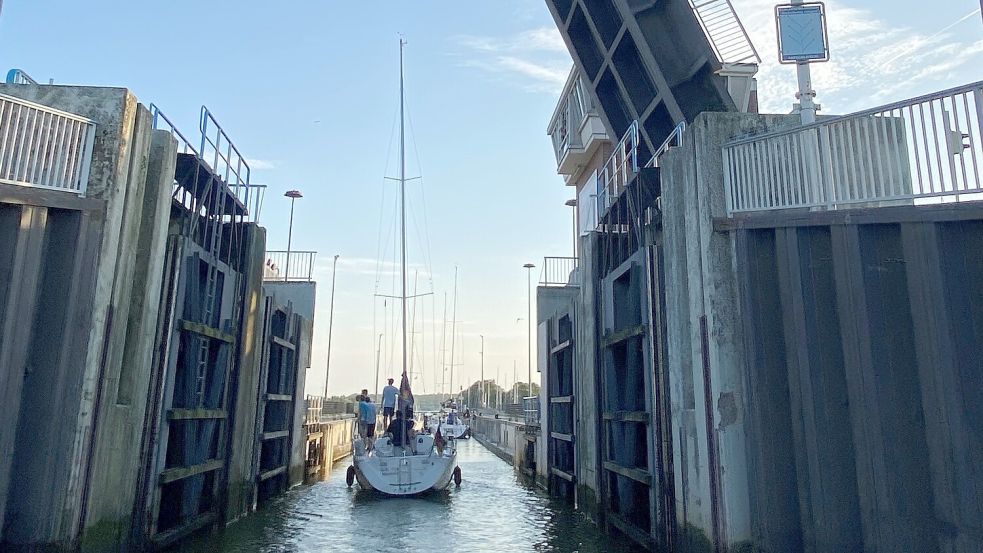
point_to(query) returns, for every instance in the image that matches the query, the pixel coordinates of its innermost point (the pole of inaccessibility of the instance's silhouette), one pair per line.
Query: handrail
(43, 147)
(929, 147)
(674, 139)
(18, 76)
(724, 31)
(618, 170)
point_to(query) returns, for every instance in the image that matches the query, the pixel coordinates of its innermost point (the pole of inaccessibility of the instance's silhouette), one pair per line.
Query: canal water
(493, 510)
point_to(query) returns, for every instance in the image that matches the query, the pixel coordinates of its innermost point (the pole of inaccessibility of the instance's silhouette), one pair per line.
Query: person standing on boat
(389, 394)
(367, 416)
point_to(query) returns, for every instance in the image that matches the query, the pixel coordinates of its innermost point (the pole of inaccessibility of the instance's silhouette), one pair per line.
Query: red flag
(439, 442)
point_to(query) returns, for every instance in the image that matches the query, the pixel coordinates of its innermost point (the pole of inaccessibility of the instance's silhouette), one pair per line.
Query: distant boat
(422, 463)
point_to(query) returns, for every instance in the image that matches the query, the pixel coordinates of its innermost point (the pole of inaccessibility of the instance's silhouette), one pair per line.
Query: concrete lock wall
(820, 367)
(52, 504)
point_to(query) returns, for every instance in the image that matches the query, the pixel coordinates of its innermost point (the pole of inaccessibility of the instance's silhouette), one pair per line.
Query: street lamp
(573, 203)
(529, 267)
(327, 367)
(293, 195)
(481, 389)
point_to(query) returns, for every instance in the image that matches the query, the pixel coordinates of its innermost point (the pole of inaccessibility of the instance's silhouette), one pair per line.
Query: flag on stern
(405, 397)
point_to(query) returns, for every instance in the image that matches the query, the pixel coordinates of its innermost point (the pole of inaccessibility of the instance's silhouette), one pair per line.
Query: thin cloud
(864, 50)
(535, 59)
(261, 164)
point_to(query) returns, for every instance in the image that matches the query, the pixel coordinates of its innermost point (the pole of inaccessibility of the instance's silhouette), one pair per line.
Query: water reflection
(493, 510)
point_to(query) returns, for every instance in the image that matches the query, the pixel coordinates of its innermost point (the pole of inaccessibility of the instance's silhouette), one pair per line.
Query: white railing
(724, 31)
(618, 171)
(559, 271)
(917, 151)
(674, 139)
(571, 112)
(44, 147)
(289, 266)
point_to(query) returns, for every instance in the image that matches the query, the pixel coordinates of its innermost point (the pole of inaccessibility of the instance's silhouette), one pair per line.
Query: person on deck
(389, 394)
(401, 430)
(367, 416)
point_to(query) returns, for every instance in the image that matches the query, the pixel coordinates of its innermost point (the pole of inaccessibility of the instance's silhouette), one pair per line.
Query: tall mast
(453, 328)
(402, 191)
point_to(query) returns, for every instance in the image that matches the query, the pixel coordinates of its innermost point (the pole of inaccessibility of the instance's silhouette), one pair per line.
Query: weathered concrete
(253, 336)
(118, 177)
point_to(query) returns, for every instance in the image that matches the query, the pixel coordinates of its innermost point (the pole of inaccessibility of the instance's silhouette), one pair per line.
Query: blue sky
(308, 91)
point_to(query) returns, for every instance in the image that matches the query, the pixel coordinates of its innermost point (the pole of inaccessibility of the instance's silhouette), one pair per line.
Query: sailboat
(404, 465)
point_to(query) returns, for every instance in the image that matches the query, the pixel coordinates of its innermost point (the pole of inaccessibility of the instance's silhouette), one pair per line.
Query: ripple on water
(492, 511)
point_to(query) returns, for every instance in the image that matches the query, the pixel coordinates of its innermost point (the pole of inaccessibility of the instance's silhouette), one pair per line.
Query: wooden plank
(275, 435)
(637, 475)
(314, 435)
(179, 473)
(562, 436)
(564, 475)
(164, 539)
(282, 343)
(195, 414)
(271, 473)
(630, 530)
(560, 347)
(627, 416)
(208, 331)
(279, 397)
(620, 336)
(561, 399)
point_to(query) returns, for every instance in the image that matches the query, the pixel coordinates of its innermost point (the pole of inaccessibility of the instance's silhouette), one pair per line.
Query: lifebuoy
(350, 476)
(457, 476)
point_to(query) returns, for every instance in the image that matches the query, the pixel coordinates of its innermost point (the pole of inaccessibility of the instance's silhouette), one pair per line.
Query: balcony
(576, 128)
(560, 271)
(292, 266)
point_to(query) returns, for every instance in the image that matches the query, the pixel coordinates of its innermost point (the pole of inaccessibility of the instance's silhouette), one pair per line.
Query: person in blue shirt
(367, 415)
(389, 395)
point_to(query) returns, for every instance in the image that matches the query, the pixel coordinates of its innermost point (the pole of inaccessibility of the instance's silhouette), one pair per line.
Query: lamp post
(573, 203)
(529, 267)
(327, 367)
(481, 388)
(293, 195)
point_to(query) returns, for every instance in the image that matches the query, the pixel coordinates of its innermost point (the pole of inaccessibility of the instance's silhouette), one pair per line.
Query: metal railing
(724, 31)
(572, 110)
(530, 410)
(674, 139)
(314, 404)
(926, 148)
(44, 147)
(229, 164)
(297, 266)
(618, 171)
(559, 271)
(18, 76)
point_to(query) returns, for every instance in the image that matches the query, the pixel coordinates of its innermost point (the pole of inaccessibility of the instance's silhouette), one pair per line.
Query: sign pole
(806, 95)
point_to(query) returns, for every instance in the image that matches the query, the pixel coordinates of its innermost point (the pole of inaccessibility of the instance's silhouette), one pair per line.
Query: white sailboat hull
(401, 472)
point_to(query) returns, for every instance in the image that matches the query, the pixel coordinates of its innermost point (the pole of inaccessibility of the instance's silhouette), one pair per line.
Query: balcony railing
(724, 31)
(559, 271)
(44, 147)
(923, 150)
(573, 108)
(295, 266)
